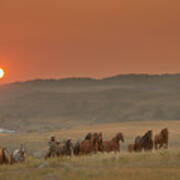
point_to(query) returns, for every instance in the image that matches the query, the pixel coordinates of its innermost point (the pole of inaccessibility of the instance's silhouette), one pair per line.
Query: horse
(161, 139)
(138, 144)
(147, 141)
(99, 142)
(54, 148)
(18, 155)
(66, 149)
(144, 143)
(76, 148)
(88, 146)
(4, 158)
(114, 144)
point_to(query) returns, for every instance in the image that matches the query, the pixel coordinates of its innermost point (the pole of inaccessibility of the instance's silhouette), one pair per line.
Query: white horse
(18, 155)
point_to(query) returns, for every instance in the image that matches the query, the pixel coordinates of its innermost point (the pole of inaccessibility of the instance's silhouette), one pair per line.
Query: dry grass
(162, 165)
(38, 142)
(157, 165)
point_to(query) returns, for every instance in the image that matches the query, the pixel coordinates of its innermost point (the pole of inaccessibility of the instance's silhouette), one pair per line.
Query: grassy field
(157, 165)
(164, 164)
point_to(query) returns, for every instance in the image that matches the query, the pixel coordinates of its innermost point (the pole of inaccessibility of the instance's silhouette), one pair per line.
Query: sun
(2, 73)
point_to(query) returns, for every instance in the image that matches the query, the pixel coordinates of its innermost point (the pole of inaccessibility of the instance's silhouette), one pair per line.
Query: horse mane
(146, 140)
(88, 136)
(147, 136)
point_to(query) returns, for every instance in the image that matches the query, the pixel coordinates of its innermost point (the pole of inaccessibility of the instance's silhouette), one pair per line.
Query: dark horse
(144, 143)
(76, 148)
(161, 139)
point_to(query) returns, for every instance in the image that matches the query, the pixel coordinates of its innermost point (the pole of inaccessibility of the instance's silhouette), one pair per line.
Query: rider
(53, 147)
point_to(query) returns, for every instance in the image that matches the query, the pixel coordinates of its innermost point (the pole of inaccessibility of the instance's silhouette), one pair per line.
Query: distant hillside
(40, 105)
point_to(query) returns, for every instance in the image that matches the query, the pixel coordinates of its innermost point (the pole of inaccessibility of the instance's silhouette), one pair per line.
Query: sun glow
(2, 73)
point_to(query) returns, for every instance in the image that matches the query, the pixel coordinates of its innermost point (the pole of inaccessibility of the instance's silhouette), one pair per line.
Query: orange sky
(96, 38)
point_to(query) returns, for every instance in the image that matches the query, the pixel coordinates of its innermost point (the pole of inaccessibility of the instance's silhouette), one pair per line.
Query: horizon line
(90, 78)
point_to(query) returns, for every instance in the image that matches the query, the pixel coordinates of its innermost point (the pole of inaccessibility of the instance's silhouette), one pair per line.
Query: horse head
(120, 137)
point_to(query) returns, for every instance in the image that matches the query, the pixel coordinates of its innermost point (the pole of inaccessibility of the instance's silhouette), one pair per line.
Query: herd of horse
(92, 143)
(146, 142)
(16, 156)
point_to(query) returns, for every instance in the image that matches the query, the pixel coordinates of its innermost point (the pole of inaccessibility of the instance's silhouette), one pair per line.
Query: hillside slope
(48, 104)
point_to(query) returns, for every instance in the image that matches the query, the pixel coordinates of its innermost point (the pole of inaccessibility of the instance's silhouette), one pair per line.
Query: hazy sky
(96, 38)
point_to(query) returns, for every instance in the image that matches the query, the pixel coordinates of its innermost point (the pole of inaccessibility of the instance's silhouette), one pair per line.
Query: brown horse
(89, 145)
(4, 156)
(161, 139)
(138, 144)
(114, 144)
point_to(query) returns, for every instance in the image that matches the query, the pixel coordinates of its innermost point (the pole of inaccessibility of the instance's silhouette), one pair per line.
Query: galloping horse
(161, 139)
(145, 142)
(90, 144)
(114, 144)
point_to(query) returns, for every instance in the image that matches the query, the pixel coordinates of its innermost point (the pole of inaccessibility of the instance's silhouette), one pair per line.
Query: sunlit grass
(163, 164)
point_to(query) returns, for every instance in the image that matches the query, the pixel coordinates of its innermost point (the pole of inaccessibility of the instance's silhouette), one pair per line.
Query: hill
(44, 105)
